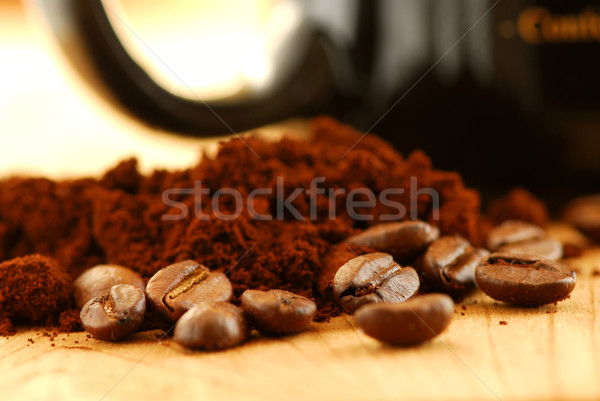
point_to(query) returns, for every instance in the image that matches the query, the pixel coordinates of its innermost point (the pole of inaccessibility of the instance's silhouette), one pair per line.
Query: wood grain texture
(546, 353)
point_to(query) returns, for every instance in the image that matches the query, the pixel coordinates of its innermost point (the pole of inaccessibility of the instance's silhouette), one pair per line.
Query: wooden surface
(545, 353)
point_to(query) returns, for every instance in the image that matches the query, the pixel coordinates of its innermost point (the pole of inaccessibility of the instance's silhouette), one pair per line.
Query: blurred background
(505, 92)
(53, 124)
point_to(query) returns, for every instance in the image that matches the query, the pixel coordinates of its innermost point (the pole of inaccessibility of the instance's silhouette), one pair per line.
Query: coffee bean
(584, 214)
(512, 232)
(545, 248)
(115, 315)
(521, 238)
(449, 265)
(371, 278)
(332, 261)
(405, 240)
(412, 322)
(278, 311)
(179, 287)
(97, 281)
(211, 326)
(524, 280)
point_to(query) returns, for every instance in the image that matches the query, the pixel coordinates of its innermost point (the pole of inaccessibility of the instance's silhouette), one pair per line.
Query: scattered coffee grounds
(118, 218)
(33, 289)
(69, 321)
(518, 204)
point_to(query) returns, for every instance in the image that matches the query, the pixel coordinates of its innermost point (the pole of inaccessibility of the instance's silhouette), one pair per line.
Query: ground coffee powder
(119, 218)
(518, 204)
(34, 289)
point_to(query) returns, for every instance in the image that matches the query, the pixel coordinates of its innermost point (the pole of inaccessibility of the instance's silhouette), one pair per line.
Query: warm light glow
(207, 49)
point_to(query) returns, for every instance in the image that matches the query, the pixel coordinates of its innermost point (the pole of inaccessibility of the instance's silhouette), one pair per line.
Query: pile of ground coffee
(34, 289)
(518, 204)
(120, 218)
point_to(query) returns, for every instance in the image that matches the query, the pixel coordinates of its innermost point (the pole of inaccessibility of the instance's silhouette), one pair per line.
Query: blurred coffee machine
(505, 92)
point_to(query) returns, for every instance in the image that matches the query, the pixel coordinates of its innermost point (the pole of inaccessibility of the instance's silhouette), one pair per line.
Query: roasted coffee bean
(278, 311)
(412, 322)
(115, 315)
(449, 265)
(373, 277)
(524, 280)
(332, 261)
(512, 232)
(584, 214)
(211, 326)
(181, 286)
(405, 240)
(96, 281)
(545, 248)
(521, 238)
